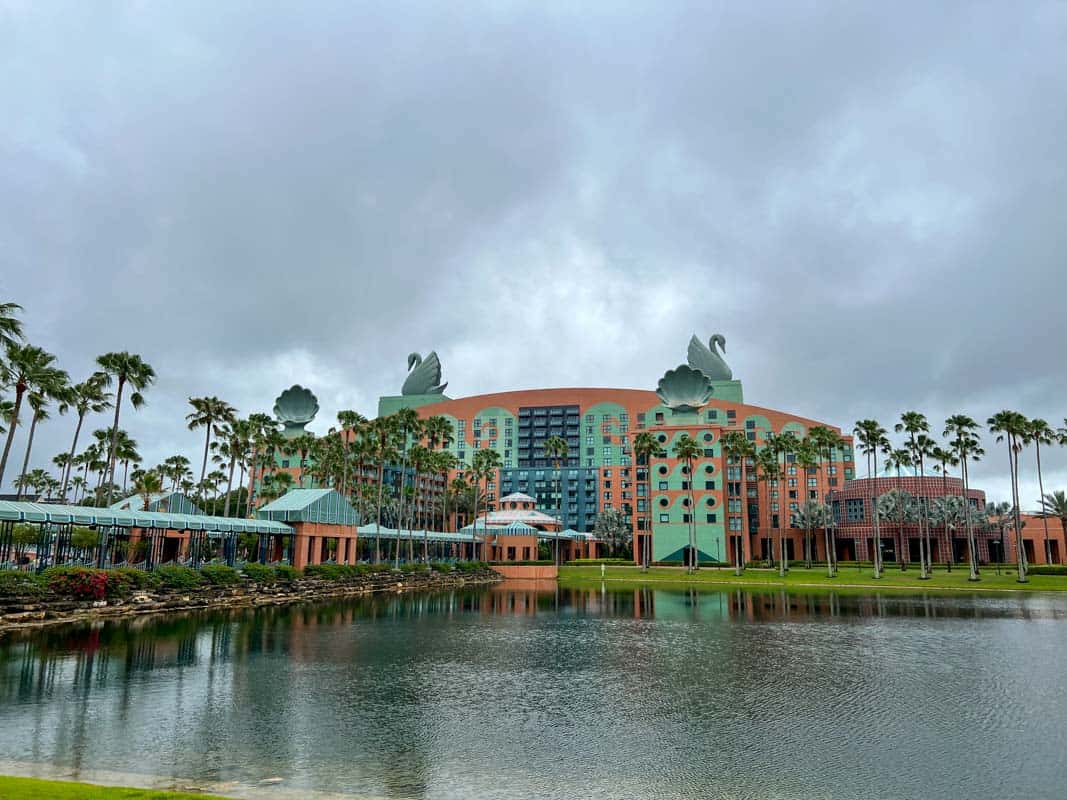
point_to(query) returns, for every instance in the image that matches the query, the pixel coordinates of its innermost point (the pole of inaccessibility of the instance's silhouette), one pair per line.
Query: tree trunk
(26, 458)
(972, 557)
(109, 468)
(19, 391)
(229, 488)
(207, 445)
(877, 525)
(1041, 491)
(70, 464)
(1017, 515)
(378, 524)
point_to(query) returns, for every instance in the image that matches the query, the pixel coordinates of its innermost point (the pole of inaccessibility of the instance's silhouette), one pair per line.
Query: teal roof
(87, 515)
(311, 505)
(433, 536)
(166, 502)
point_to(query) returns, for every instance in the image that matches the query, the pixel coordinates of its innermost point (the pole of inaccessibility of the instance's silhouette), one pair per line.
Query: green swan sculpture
(708, 360)
(424, 376)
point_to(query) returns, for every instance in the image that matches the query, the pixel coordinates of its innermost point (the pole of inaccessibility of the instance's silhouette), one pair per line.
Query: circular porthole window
(663, 501)
(662, 438)
(685, 502)
(685, 470)
(662, 470)
(708, 469)
(708, 437)
(711, 502)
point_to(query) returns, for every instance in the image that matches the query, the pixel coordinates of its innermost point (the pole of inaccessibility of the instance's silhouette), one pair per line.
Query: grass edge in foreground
(17, 788)
(848, 579)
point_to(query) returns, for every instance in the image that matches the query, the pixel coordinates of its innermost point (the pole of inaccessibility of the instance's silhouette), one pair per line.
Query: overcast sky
(870, 204)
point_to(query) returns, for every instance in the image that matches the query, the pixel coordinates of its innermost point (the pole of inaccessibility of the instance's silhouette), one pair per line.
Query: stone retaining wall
(27, 612)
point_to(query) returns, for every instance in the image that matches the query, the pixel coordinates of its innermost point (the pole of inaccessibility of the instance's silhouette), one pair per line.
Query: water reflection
(534, 690)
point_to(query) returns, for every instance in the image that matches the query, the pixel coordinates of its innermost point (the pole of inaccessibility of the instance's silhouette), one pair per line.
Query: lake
(527, 691)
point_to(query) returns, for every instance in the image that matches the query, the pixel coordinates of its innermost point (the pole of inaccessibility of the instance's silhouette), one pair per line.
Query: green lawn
(849, 578)
(35, 789)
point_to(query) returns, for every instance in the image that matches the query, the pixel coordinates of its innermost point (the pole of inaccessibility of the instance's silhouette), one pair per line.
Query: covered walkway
(126, 537)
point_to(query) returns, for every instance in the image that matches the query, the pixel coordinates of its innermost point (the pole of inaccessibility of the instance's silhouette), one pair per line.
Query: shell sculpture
(296, 407)
(684, 389)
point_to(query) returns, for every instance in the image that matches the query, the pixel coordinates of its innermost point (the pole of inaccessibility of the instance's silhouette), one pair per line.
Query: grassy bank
(36, 789)
(849, 578)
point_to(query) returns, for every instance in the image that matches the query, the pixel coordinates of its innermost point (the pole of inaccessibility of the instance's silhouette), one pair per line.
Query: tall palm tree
(646, 447)
(351, 423)
(557, 451)
(176, 468)
(915, 425)
(87, 397)
(147, 484)
(1013, 429)
(964, 433)
(26, 368)
(54, 386)
(899, 460)
(687, 449)
(768, 472)
(383, 434)
(10, 325)
(872, 438)
(807, 456)
(484, 465)
(1041, 433)
(208, 413)
(126, 369)
(443, 464)
(738, 450)
(945, 458)
(825, 441)
(125, 452)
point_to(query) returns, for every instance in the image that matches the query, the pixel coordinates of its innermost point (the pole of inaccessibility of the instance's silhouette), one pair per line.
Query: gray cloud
(867, 201)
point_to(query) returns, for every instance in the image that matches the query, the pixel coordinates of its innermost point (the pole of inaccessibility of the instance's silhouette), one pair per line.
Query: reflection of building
(852, 508)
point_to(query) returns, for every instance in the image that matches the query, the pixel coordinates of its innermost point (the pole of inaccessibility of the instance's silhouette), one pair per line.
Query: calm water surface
(530, 692)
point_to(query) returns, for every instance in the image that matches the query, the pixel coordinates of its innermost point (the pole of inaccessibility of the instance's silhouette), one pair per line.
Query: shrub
(471, 566)
(1047, 569)
(443, 567)
(84, 538)
(414, 568)
(81, 583)
(287, 573)
(219, 574)
(608, 561)
(121, 582)
(332, 572)
(175, 577)
(20, 584)
(260, 573)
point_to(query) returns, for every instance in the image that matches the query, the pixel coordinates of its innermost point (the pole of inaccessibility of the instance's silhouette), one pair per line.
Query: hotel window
(712, 517)
(774, 507)
(794, 507)
(663, 486)
(833, 469)
(685, 486)
(774, 494)
(709, 452)
(659, 416)
(854, 511)
(685, 518)
(735, 523)
(751, 436)
(641, 419)
(792, 483)
(607, 495)
(734, 506)
(813, 482)
(731, 414)
(589, 438)
(750, 424)
(709, 485)
(813, 495)
(792, 470)
(713, 413)
(664, 517)
(792, 494)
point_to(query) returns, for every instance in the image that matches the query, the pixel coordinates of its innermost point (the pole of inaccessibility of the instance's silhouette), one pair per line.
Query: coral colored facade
(1034, 529)
(600, 473)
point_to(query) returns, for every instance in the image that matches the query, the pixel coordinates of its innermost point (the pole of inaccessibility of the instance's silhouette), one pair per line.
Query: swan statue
(708, 359)
(424, 376)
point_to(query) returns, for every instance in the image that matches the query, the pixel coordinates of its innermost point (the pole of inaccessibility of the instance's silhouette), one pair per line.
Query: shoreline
(806, 580)
(23, 614)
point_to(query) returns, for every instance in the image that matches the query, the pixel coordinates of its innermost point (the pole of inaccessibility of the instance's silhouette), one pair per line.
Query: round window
(708, 437)
(685, 470)
(663, 501)
(685, 502)
(662, 470)
(661, 438)
(708, 469)
(711, 502)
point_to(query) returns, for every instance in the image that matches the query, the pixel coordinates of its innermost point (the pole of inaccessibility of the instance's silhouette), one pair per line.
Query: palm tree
(176, 468)
(419, 457)
(768, 471)
(27, 368)
(738, 450)
(125, 368)
(86, 397)
(945, 458)
(825, 440)
(443, 464)
(126, 451)
(964, 433)
(1040, 433)
(557, 451)
(77, 483)
(408, 426)
(10, 325)
(147, 484)
(900, 460)
(383, 433)
(351, 423)
(1013, 428)
(484, 466)
(807, 461)
(872, 437)
(687, 449)
(646, 447)
(53, 386)
(1055, 505)
(209, 413)
(919, 446)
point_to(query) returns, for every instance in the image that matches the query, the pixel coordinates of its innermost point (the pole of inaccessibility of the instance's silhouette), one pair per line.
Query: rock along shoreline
(23, 613)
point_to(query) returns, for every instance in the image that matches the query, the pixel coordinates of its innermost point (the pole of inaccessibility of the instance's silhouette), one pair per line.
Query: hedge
(172, 576)
(21, 584)
(220, 574)
(1047, 569)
